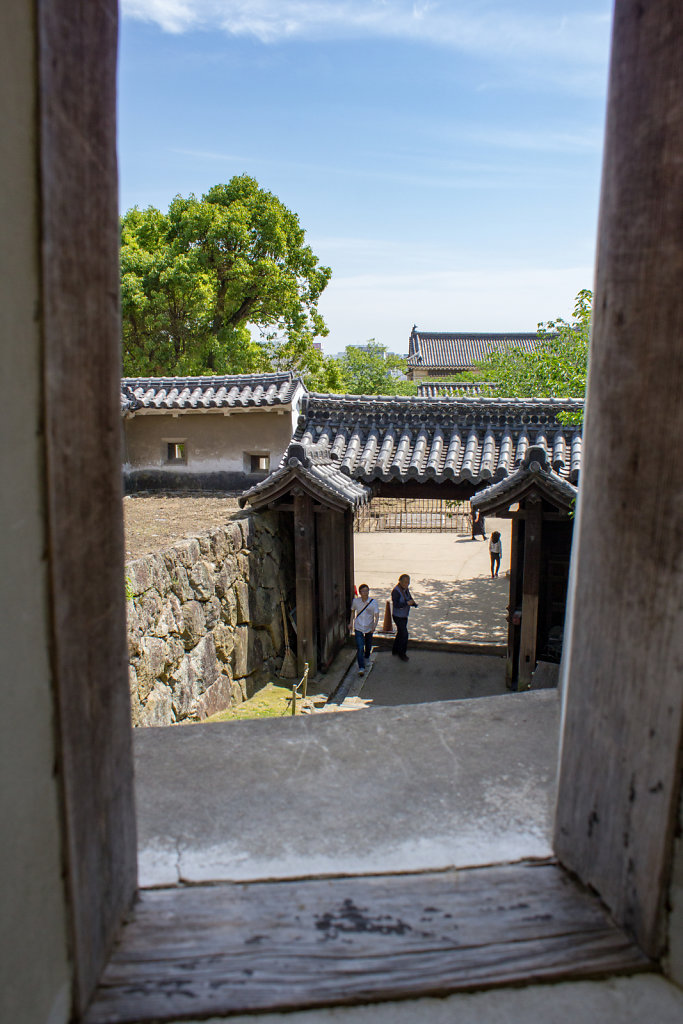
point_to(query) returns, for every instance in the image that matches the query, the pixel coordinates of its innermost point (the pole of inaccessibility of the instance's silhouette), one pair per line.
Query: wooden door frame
(637, 295)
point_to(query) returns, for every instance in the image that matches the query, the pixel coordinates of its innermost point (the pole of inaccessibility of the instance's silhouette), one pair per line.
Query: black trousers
(401, 641)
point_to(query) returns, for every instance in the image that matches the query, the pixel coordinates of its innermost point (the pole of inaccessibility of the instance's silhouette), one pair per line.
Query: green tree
(371, 370)
(195, 279)
(557, 369)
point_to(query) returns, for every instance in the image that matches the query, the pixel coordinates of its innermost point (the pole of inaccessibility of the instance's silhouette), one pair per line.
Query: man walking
(364, 616)
(401, 602)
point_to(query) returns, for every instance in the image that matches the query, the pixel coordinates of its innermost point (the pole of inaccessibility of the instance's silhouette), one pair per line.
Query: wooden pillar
(530, 588)
(510, 673)
(82, 356)
(349, 556)
(620, 766)
(304, 557)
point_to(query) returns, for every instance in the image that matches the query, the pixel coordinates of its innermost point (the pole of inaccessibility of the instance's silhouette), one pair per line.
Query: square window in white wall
(257, 462)
(175, 452)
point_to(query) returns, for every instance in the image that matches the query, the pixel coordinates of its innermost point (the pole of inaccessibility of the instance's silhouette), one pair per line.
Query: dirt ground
(153, 522)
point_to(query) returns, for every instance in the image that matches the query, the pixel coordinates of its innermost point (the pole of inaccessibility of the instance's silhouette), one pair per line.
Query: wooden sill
(233, 948)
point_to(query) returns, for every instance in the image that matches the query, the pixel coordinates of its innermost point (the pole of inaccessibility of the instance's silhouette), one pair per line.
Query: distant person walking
(401, 603)
(364, 616)
(495, 551)
(478, 526)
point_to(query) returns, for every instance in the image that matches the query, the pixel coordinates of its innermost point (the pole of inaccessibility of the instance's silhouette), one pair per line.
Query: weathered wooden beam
(530, 592)
(620, 767)
(304, 557)
(80, 243)
(225, 949)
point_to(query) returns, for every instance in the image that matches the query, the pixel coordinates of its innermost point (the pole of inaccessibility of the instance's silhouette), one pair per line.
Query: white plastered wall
(214, 442)
(34, 970)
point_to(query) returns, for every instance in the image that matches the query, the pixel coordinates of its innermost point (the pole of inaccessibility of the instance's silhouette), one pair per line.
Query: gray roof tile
(188, 393)
(534, 472)
(456, 438)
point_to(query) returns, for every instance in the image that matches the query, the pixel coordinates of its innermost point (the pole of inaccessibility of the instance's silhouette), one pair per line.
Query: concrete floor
(408, 788)
(450, 580)
(427, 677)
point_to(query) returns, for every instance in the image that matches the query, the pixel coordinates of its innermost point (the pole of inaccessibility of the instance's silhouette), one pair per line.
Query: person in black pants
(401, 603)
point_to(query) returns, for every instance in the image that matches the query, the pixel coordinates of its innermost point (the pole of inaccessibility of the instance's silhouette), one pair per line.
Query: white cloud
(578, 41)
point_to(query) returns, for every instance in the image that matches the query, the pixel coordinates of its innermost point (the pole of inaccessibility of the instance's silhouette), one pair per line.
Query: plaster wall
(34, 970)
(214, 442)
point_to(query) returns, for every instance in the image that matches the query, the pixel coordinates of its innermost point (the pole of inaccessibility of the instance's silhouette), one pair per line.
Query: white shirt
(365, 621)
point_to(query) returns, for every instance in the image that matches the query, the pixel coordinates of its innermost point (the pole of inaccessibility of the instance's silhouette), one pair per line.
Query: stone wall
(204, 620)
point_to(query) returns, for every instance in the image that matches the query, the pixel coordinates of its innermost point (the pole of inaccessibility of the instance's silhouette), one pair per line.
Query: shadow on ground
(427, 676)
(468, 609)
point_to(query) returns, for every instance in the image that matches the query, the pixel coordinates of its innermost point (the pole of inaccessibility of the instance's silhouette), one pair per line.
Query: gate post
(304, 554)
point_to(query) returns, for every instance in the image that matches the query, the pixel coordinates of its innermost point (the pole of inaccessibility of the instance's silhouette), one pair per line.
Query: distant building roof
(187, 393)
(462, 351)
(442, 389)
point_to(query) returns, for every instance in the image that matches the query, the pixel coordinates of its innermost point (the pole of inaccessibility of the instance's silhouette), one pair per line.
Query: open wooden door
(330, 584)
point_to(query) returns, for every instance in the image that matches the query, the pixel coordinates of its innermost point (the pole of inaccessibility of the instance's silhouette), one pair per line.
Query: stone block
(151, 665)
(194, 623)
(248, 530)
(243, 565)
(180, 584)
(187, 552)
(242, 597)
(170, 618)
(264, 606)
(226, 576)
(200, 576)
(139, 576)
(224, 642)
(148, 611)
(219, 544)
(161, 580)
(235, 536)
(197, 671)
(229, 607)
(216, 698)
(240, 653)
(158, 708)
(212, 612)
(239, 691)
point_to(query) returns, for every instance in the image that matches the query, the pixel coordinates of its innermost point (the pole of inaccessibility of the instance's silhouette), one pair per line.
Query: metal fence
(430, 515)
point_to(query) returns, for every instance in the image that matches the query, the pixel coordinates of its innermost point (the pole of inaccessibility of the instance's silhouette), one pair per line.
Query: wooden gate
(330, 590)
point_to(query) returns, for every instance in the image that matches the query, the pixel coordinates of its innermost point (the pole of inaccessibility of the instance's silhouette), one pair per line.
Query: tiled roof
(461, 351)
(535, 474)
(445, 388)
(319, 474)
(237, 391)
(461, 439)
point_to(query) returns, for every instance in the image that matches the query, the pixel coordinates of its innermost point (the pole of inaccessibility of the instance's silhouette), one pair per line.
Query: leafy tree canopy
(194, 280)
(371, 370)
(557, 369)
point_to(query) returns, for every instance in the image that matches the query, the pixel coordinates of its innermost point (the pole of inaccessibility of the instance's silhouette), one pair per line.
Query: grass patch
(272, 701)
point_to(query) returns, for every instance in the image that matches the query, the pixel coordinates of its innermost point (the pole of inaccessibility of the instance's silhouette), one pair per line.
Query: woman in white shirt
(364, 616)
(495, 551)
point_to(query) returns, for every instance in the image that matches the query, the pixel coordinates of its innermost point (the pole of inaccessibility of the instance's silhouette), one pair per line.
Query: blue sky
(443, 157)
